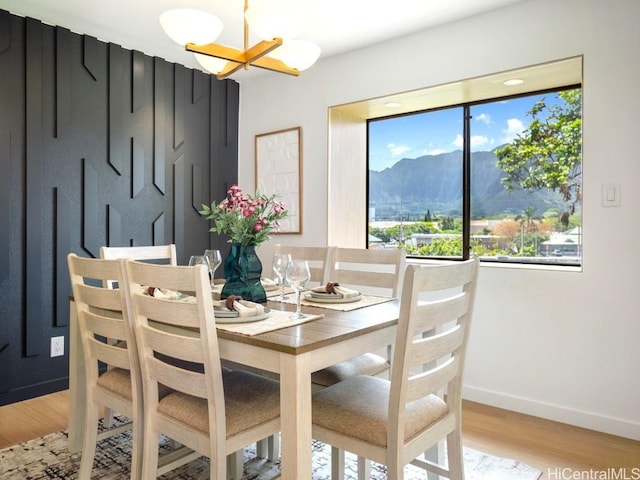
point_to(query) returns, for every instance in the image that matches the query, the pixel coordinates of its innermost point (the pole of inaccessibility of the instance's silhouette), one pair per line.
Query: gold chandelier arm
(229, 69)
(261, 49)
(219, 51)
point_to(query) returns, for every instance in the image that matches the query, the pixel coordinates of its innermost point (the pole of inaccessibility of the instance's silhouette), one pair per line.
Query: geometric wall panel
(116, 132)
(90, 209)
(63, 81)
(90, 55)
(137, 168)
(5, 31)
(196, 188)
(158, 230)
(74, 164)
(62, 248)
(5, 199)
(159, 138)
(178, 107)
(34, 171)
(137, 82)
(114, 227)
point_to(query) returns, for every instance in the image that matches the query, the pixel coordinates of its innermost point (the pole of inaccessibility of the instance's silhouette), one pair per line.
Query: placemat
(365, 301)
(276, 320)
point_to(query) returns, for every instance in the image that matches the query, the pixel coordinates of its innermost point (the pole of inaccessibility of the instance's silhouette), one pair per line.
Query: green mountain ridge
(412, 187)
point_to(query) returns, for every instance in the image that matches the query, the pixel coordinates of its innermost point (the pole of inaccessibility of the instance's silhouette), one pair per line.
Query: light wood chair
(210, 412)
(422, 402)
(376, 272)
(102, 313)
(148, 253)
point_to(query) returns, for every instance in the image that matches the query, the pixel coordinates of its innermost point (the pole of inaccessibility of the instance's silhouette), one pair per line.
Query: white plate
(330, 299)
(224, 315)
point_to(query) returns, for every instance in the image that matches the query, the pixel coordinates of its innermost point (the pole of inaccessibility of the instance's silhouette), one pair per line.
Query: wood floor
(540, 443)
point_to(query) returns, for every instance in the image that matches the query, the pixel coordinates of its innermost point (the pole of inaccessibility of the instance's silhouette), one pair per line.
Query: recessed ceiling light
(513, 81)
(392, 104)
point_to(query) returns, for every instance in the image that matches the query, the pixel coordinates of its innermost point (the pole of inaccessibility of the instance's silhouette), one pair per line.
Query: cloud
(397, 150)
(436, 151)
(514, 128)
(484, 118)
(477, 141)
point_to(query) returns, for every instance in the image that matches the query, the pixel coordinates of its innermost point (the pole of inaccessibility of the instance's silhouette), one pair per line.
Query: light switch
(610, 194)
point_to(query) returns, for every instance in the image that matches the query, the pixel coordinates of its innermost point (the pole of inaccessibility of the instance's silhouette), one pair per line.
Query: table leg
(295, 411)
(77, 404)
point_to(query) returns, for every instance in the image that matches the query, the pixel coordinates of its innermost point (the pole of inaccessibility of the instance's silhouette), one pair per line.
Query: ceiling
(337, 26)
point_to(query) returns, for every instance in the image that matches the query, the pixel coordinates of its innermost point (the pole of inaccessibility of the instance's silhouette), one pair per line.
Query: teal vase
(243, 269)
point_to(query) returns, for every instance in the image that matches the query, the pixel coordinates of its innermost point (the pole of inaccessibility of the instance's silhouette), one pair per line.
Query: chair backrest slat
(368, 270)
(151, 253)
(317, 257)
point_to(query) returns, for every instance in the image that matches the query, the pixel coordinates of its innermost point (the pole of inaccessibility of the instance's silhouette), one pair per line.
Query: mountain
(434, 183)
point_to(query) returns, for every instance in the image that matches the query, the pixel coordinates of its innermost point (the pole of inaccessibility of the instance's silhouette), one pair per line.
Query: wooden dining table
(292, 353)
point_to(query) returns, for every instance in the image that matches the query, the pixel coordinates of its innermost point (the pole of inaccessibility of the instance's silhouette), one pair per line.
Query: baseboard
(33, 391)
(558, 413)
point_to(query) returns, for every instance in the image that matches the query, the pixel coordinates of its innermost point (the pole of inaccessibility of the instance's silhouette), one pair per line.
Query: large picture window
(500, 179)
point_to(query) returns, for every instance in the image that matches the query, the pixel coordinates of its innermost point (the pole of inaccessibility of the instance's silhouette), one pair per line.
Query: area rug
(47, 458)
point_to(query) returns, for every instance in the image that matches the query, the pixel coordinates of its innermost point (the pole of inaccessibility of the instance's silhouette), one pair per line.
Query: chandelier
(276, 22)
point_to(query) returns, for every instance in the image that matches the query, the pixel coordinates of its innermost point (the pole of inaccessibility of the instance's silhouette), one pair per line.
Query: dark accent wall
(99, 145)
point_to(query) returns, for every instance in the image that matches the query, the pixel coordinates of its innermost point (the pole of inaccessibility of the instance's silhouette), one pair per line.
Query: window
(500, 178)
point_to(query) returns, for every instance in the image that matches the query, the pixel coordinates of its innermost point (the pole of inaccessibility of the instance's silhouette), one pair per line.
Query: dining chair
(211, 412)
(422, 402)
(101, 314)
(149, 253)
(371, 271)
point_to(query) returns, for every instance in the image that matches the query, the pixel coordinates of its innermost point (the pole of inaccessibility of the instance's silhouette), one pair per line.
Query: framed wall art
(279, 171)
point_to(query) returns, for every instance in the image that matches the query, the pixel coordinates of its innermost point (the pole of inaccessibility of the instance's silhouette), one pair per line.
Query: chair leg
(89, 442)
(273, 447)
(455, 456)
(150, 453)
(337, 464)
(262, 448)
(235, 465)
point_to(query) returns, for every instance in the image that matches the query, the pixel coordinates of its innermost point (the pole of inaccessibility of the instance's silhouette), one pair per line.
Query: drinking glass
(279, 265)
(297, 276)
(198, 260)
(215, 259)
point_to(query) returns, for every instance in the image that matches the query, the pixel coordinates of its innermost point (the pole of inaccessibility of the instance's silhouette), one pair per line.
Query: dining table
(333, 333)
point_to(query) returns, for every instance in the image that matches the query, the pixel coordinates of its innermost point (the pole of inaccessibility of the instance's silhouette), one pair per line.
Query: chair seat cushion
(366, 364)
(358, 407)
(118, 381)
(249, 401)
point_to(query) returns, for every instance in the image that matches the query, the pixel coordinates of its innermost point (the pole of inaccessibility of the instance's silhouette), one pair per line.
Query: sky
(412, 136)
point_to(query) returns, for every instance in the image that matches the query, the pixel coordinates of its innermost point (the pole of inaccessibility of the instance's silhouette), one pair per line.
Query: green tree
(548, 153)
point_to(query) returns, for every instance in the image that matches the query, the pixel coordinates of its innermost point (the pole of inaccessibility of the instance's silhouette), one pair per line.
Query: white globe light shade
(187, 25)
(210, 64)
(298, 54)
(275, 18)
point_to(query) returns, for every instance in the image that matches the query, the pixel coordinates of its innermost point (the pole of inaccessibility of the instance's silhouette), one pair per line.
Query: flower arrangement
(247, 219)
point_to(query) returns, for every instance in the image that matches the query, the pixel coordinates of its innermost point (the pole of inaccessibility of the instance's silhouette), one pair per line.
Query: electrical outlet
(57, 346)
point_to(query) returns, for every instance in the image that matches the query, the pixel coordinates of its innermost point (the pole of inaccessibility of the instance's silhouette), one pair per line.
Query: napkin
(340, 292)
(268, 283)
(166, 294)
(244, 308)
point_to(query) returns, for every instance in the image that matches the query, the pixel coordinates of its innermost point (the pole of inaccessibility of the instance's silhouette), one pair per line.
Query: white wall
(562, 345)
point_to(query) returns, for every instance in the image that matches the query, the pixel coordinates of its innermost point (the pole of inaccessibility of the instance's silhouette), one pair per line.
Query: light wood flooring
(540, 443)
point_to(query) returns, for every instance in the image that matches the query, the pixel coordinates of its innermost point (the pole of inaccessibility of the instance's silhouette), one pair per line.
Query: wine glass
(215, 259)
(279, 265)
(200, 260)
(297, 276)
